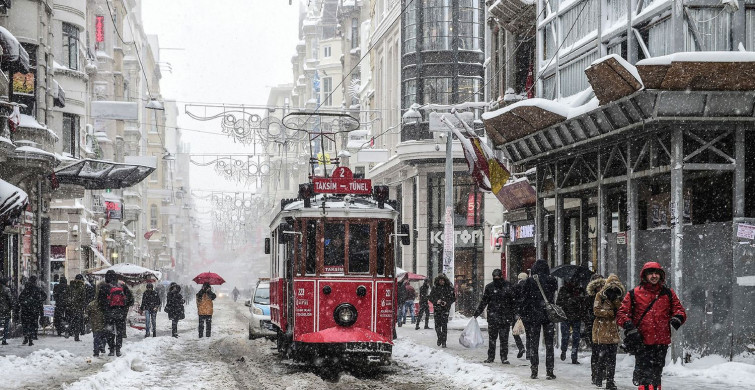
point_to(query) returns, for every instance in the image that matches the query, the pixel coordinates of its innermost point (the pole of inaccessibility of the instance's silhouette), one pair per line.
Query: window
(315, 49)
(750, 28)
(24, 84)
(583, 18)
(327, 88)
(326, 52)
(713, 27)
(384, 230)
(70, 46)
(657, 37)
(437, 90)
(549, 43)
(153, 216)
(354, 33)
(334, 247)
(311, 248)
(573, 77)
(470, 36)
(410, 92)
(70, 134)
(469, 89)
(359, 248)
(437, 24)
(410, 29)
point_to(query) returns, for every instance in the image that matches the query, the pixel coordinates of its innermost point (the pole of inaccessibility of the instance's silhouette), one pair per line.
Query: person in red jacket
(647, 314)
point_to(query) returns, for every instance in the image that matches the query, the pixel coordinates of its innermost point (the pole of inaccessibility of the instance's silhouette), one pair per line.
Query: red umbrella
(208, 277)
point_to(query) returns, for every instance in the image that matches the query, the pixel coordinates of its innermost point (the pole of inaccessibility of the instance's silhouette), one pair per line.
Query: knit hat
(522, 276)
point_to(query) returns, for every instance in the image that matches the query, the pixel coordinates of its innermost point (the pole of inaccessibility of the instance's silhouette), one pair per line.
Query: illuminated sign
(342, 182)
(99, 28)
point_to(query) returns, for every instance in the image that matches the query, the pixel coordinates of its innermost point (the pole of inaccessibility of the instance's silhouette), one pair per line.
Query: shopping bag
(518, 328)
(471, 337)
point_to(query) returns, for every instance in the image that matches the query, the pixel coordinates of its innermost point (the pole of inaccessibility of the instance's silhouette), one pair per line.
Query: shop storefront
(520, 249)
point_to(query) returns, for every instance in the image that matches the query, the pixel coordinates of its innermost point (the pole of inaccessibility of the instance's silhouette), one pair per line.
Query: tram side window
(311, 259)
(334, 247)
(382, 237)
(359, 248)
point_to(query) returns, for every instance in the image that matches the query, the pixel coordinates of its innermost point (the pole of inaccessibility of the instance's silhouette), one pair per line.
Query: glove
(632, 337)
(676, 321)
(628, 326)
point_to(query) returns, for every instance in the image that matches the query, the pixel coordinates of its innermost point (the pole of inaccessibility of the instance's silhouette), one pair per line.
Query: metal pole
(677, 221)
(448, 226)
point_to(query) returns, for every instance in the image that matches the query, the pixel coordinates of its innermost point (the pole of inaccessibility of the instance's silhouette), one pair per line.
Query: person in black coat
(174, 306)
(115, 299)
(150, 305)
(442, 297)
(571, 298)
(535, 318)
(59, 295)
(500, 298)
(424, 307)
(30, 302)
(7, 303)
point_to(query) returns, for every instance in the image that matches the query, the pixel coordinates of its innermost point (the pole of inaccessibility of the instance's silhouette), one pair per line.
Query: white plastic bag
(518, 329)
(471, 337)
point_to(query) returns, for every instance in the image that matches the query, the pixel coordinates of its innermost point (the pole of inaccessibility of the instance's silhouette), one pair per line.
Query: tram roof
(336, 207)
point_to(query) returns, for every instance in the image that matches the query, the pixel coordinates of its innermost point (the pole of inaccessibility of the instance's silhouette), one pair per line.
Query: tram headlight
(345, 314)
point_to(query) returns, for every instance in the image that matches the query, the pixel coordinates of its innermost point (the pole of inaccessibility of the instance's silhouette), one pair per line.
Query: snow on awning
(700, 71)
(100, 256)
(13, 201)
(100, 175)
(13, 52)
(115, 110)
(58, 95)
(612, 78)
(523, 118)
(128, 232)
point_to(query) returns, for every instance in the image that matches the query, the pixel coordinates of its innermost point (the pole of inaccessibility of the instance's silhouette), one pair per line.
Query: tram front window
(359, 248)
(334, 247)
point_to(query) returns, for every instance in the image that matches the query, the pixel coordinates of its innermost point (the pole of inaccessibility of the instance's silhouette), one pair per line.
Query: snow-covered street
(228, 360)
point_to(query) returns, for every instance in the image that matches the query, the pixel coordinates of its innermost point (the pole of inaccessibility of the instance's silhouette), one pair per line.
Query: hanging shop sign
(114, 210)
(462, 238)
(523, 231)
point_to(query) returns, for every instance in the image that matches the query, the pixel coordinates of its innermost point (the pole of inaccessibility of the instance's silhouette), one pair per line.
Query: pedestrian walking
(59, 295)
(424, 306)
(647, 314)
(409, 298)
(205, 296)
(76, 303)
(595, 286)
(150, 305)
(97, 323)
(6, 308)
(235, 294)
(442, 296)
(30, 302)
(535, 318)
(605, 332)
(174, 306)
(162, 293)
(571, 298)
(401, 299)
(115, 298)
(517, 338)
(499, 297)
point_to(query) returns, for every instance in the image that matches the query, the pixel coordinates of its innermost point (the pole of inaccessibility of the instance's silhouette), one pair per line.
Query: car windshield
(262, 296)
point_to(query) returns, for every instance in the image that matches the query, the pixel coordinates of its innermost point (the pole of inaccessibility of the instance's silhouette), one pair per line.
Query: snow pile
(41, 361)
(700, 56)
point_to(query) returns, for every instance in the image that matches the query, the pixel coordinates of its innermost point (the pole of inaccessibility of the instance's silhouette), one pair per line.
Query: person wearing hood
(499, 297)
(174, 306)
(442, 297)
(605, 332)
(424, 307)
(535, 318)
(647, 314)
(7, 303)
(59, 295)
(205, 296)
(97, 322)
(571, 298)
(150, 305)
(76, 302)
(115, 299)
(30, 302)
(597, 281)
(517, 338)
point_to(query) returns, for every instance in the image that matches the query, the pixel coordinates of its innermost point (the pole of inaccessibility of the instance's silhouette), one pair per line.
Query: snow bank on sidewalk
(16, 369)
(455, 371)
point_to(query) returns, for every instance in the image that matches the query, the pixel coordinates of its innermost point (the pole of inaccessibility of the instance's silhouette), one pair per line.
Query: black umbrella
(576, 273)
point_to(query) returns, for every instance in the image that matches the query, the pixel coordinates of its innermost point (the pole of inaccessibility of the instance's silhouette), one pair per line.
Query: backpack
(116, 297)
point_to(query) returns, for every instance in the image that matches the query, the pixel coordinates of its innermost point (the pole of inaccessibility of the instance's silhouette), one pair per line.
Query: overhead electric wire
(138, 56)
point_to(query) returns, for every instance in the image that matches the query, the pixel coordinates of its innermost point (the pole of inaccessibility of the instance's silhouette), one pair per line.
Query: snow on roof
(701, 56)
(31, 149)
(629, 67)
(544, 104)
(29, 122)
(587, 107)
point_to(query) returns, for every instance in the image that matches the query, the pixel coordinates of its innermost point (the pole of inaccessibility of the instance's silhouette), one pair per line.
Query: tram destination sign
(330, 185)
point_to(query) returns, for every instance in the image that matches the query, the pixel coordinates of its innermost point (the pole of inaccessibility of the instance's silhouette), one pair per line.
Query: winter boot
(111, 353)
(550, 375)
(563, 355)
(610, 385)
(118, 352)
(575, 361)
(5, 342)
(26, 341)
(154, 333)
(416, 327)
(146, 335)
(519, 355)
(96, 353)
(31, 342)
(533, 374)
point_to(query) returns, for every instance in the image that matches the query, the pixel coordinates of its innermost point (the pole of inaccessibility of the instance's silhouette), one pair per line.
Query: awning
(100, 175)
(58, 95)
(13, 201)
(100, 256)
(13, 53)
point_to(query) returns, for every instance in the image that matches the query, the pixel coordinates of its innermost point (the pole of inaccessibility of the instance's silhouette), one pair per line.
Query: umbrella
(400, 273)
(208, 277)
(573, 272)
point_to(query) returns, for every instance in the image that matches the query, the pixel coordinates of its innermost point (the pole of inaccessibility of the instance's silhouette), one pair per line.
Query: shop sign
(462, 238)
(523, 231)
(114, 210)
(745, 231)
(621, 238)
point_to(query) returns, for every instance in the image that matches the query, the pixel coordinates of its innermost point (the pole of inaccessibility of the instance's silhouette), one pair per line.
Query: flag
(488, 172)
(149, 233)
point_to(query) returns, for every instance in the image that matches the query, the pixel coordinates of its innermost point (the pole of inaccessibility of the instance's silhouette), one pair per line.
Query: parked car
(259, 307)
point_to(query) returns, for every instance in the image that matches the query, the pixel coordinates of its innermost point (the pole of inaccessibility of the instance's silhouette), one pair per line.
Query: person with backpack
(76, 302)
(533, 313)
(205, 296)
(150, 305)
(115, 299)
(59, 295)
(174, 306)
(6, 308)
(31, 306)
(647, 314)
(424, 306)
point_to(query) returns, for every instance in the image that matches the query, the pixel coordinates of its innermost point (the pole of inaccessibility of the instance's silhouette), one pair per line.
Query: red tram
(332, 289)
